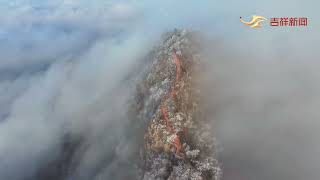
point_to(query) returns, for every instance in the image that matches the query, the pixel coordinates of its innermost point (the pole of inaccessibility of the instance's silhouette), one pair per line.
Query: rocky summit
(177, 143)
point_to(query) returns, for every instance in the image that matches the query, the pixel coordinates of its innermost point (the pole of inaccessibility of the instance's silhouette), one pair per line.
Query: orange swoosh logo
(255, 21)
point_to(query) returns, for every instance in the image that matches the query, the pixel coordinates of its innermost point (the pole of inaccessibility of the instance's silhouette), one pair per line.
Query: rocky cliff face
(177, 143)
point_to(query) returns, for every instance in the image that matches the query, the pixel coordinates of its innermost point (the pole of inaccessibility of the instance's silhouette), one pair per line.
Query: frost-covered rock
(178, 146)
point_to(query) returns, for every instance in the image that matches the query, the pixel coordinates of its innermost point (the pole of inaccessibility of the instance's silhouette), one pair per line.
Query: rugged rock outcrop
(177, 143)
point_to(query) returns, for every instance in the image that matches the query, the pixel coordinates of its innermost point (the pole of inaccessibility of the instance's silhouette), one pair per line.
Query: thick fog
(265, 112)
(63, 63)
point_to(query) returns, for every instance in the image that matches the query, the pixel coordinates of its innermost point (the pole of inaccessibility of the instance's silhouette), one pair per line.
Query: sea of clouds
(61, 63)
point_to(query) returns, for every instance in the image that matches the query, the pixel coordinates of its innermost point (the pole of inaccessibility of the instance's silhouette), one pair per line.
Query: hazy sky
(71, 25)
